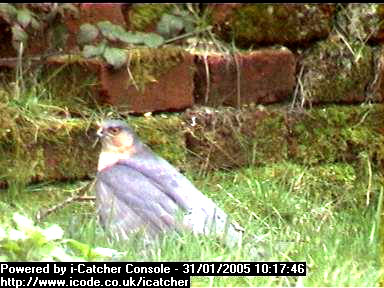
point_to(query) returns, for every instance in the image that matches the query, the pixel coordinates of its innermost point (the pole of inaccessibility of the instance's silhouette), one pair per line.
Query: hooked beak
(99, 132)
(100, 135)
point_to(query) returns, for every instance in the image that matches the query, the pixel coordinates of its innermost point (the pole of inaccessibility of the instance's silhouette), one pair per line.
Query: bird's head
(116, 136)
(118, 141)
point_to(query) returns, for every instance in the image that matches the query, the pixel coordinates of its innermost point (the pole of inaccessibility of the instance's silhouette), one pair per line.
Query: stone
(332, 73)
(144, 17)
(361, 21)
(375, 90)
(262, 76)
(226, 138)
(67, 149)
(157, 80)
(336, 134)
(270, 24)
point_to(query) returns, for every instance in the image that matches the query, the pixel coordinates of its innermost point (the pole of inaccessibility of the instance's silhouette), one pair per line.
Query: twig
(12, 61)
(187, 34)
(42, 213)
(298, 85)
(369, 188)
(130, 73)
(238, 79)
(207, 90)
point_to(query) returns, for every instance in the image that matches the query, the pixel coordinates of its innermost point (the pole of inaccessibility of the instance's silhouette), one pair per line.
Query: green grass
(314, 214)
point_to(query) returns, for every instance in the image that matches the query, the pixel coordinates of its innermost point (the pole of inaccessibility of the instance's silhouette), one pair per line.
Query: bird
(137, 190)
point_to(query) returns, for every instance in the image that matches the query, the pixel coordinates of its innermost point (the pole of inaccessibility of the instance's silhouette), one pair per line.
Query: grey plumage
(142, 191)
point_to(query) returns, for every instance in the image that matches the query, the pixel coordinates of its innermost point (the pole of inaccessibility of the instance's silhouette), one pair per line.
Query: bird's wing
(128, 201)
(203, 213)
(173, 183)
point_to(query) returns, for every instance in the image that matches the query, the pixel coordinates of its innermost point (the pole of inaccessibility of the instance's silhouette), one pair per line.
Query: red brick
(173, 90)
(265, 76)
(221, 12)
(6, 48)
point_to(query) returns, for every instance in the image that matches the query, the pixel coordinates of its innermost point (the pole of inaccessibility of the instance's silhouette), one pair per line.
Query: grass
(302, 213)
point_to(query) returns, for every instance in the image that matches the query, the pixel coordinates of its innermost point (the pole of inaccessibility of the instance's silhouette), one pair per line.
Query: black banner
(134, 274)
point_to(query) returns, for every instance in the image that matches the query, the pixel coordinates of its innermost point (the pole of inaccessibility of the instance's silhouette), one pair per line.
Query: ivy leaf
(53, 232)
(35, 24)
(60, 35)
(110, 31)
(107, 252)
(87, 33)
(133, 38)
(170, 25)
(18, 34)
(115, 32)
(81, 248)
(115, 57)
(24, 17)
(90, 51)
(23, 223)
(153, 40)
(7, 12)
(189, 23)
(3, 233)
(15, 235)
(60, 254)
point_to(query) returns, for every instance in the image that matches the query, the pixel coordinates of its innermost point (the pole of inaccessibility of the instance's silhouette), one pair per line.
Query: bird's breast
(108, 159)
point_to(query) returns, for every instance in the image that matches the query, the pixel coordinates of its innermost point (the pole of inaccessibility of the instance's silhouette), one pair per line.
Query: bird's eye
(114, 130)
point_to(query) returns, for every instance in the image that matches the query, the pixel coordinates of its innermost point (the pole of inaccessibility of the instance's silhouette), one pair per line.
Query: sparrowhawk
(138, 190)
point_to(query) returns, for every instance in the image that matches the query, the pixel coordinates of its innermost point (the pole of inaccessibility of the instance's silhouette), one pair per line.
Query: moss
(143, 16)
(72, 84)
(44, 145)
(360, 21)
(50, 151)
(164, 135)
(148, 64)
(278, 24)
(272, 146)
(337, 183)
(226, 138)
(337, 134)
(68, 83)
(37, 138)
(334, 74)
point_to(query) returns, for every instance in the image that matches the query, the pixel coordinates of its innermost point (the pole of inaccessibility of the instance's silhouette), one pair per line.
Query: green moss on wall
(225, 138)
(42, 144)
(164, 135)
(338, 134)
(260, 24)
(148, 64)
(72, 85)
(144, 16)
(335, 72)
